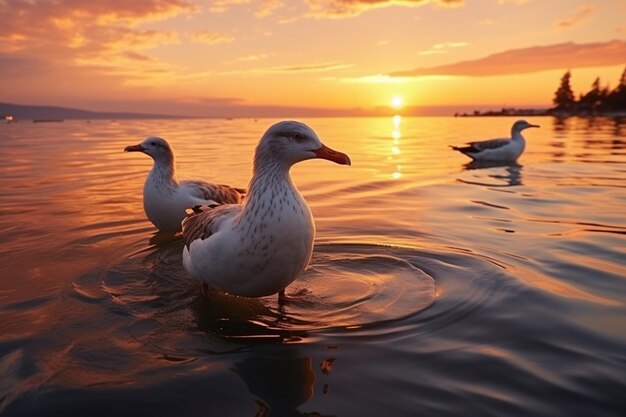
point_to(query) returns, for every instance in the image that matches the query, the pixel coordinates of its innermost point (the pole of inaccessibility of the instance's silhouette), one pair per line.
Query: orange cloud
(211, 38)
(349, 8)
(268, 7)
(73, 28)
(442, 48)
(326, 8)
(136, 56)
(529, 60)
(329, 66)
(263, 7)
(583, 13)
(518, 2)
(53, 47)
(220, 6)
(254, 57)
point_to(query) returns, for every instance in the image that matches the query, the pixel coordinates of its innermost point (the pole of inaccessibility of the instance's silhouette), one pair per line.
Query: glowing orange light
(397, 102)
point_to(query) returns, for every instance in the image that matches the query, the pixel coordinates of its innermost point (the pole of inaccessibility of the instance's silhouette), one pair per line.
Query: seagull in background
(165, 200)
(503, 149)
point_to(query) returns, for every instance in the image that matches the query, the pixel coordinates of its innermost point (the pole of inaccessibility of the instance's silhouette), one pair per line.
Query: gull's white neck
(271, 189)
(270, 178)
(516, 135)
(162, 176)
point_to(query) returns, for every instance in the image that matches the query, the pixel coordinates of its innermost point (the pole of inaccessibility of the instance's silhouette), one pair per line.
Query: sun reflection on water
(396, 134)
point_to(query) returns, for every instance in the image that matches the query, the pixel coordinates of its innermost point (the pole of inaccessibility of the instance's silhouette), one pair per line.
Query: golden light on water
(395, 136)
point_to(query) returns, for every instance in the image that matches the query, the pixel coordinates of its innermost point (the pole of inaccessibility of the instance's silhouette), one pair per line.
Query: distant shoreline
(12, 113)
(506, 112)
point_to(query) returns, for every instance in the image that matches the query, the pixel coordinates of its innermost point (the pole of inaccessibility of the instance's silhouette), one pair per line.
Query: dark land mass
(52, 113)
(542, 112)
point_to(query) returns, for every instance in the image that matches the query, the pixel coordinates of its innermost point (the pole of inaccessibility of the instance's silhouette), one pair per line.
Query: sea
(436, 288)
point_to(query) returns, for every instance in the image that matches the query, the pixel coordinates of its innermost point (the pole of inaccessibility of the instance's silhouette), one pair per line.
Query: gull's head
(157, 148)
(521, 125)
(291, 142)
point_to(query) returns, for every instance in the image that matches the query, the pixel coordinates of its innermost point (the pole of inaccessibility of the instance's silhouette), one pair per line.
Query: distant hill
(22, 112)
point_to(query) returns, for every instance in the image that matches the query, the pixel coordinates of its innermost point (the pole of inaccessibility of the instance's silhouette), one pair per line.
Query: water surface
(437, 288)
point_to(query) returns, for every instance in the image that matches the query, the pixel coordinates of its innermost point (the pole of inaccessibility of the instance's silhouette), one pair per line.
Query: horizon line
(267, 111)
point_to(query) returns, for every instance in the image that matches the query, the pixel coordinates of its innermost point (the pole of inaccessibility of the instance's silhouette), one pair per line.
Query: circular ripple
(346, 286)
(358, 285)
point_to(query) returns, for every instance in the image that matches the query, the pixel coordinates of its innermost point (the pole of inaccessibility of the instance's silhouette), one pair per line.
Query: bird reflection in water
(281, 383)
(274, 370)
(512, 175)
(283, 380)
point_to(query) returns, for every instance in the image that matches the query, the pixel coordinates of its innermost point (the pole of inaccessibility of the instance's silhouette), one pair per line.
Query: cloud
(64, 30)
(376, 79)
(292, 69)
(221, 6)
(310, 68)
(268, 7)
(73, 42)
(211, 38)
(583, 13)
(442, 48)
(322, 8)
(254, 57)
(263, 8)
(211, 101)
(529, 60)
(14, 66)
(136, 56)
(350, 8)
(518, 2)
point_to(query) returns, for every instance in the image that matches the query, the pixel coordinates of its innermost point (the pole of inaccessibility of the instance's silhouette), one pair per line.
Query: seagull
(505, 149)
(259, 247)
(166, 200)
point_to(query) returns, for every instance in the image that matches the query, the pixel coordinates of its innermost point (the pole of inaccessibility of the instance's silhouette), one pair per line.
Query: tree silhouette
(564, 96)
(595, 98)
(616, 99)
(598, 99)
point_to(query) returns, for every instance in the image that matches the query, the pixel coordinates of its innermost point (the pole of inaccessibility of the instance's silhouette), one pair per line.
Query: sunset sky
(290, 57)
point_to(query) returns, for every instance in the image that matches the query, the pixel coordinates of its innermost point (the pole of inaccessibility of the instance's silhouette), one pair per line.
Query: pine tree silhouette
(598, 99)
(564, 96)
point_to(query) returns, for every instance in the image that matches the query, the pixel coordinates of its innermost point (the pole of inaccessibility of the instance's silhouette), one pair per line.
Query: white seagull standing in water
(505, 149)
(166, 200)
(259, 247)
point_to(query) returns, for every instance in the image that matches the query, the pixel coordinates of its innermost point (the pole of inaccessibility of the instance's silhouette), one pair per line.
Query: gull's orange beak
(134, 148)
(326, 153)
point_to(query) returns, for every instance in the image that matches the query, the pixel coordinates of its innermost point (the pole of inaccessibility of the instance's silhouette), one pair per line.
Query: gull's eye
(297, 136)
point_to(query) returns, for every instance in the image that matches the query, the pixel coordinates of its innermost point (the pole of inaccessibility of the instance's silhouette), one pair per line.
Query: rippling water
(437, 288)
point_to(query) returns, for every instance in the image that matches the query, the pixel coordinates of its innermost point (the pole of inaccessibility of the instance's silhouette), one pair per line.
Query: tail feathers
(243, 193)
(197, 209)
(464, 149)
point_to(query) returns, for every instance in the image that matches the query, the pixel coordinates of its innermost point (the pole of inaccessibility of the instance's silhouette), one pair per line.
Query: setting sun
(397, 102)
